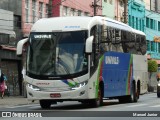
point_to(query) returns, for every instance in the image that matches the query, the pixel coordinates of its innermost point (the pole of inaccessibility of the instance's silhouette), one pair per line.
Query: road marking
(136, 105)
(155, 106)
(35, 106)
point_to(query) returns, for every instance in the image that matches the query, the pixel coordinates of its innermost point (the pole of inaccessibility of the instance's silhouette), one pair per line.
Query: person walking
(2, 85)
(158, 76)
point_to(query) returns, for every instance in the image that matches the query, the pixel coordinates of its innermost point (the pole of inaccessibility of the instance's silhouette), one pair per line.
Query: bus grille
(50, 89)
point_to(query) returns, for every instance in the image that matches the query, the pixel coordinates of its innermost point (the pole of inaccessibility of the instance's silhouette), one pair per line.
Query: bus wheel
(99, 101)
(138, 89)
(138, 93)
(45, 104)
(133, 96)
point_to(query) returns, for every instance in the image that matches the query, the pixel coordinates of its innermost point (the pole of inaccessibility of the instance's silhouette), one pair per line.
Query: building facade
(152, 29)
(10, 33)
(75, 8)
(115, 9)
(33, 10)
(136, 14)
(119, 10)
(108, 8)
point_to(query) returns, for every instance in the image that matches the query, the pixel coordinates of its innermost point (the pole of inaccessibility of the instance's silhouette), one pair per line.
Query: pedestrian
(158, 76)
(2, 85)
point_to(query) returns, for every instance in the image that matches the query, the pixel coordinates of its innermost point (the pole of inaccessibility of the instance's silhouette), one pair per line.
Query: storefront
(11, 66)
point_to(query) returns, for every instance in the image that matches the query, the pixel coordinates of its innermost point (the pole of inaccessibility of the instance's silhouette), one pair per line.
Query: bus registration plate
(55, 95)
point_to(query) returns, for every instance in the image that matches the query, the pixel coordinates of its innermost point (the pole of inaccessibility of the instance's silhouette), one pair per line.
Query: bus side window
(116, 41)
(124, 41)
(143, 46)
(132, 41)
(110, 38)
(105, 43)
(138, 43)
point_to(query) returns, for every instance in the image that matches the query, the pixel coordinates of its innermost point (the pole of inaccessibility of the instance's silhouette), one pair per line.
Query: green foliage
(152, 66)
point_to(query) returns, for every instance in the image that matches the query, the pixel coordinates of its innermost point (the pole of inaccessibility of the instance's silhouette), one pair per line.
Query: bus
(85, 59)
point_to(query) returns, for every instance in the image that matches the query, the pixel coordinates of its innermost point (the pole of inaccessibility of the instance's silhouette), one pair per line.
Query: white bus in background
(84, 59)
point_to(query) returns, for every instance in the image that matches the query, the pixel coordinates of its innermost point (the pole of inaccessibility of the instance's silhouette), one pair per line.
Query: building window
(27, 10)
(151, 21)
(33, 10)
(158, 25)
(40, 9)
(133, 21)
(152, 46)
(147, 22)
(79, 13)
(137, 23)
(65, 11)
(47, 10)
(86, 14)
(143, 25)
(110, 1)
(158, 6)
(17, 21)
(121, 3)
(148, 45)
(105, 0)
(155, 46)
(72, 12)
(159, 47)
(129, 20)
(140, 24)
(153, 5)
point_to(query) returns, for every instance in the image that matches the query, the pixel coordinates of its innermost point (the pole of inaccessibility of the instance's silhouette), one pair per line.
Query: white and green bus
(84, 59)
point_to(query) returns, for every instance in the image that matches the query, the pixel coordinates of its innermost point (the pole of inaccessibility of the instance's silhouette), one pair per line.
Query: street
(148, 103)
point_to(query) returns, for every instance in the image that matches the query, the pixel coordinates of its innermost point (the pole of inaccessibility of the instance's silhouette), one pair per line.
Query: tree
(152, 67)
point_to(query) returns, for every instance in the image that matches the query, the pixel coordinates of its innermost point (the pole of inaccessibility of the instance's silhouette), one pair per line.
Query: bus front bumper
(77, 94)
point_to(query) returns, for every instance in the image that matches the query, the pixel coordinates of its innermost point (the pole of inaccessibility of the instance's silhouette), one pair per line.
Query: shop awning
(5, 47)
(7, 32)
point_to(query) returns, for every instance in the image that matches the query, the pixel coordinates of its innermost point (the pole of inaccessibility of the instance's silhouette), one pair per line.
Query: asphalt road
(148, 104)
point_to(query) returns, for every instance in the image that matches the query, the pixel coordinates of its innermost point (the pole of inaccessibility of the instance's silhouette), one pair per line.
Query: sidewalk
(14, 100)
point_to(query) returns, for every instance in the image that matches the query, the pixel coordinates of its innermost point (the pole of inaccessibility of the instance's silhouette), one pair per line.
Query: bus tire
(45, 104)
(158, 94)
(138, 89)
(158, 91)
(99, 101)
(133, 96)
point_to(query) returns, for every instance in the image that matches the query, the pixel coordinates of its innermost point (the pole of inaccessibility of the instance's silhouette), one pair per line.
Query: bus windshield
(57, 54)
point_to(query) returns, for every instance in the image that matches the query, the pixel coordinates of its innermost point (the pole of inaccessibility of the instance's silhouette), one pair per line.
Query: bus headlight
(33, 87)
(79, 85)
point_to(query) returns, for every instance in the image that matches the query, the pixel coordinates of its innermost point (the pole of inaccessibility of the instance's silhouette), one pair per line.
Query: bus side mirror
(89, 43)
(20, 45)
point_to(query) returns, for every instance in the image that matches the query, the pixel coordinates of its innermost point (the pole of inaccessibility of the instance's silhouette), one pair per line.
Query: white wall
(6, 21)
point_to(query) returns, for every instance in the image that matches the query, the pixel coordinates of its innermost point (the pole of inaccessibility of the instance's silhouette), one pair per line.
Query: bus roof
(75, 23)
(138, 32)
(62, 24)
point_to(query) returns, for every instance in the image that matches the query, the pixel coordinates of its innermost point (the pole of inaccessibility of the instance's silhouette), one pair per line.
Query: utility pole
(125, 11)
(95, 6)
